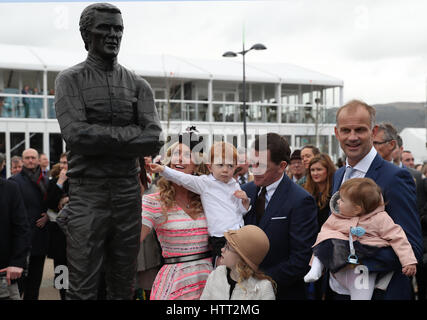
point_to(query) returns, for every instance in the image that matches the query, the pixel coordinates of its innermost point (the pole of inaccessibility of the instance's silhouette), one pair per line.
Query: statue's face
(105, 35)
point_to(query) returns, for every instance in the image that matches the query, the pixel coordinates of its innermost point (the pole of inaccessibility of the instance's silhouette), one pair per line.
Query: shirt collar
(364, 164)
(272, 187)
(211, 177)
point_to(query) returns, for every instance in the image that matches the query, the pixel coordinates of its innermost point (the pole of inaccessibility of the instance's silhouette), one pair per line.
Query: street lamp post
(230, 54)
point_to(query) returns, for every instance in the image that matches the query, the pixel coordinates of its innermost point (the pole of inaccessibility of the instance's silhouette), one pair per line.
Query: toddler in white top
(223, 201)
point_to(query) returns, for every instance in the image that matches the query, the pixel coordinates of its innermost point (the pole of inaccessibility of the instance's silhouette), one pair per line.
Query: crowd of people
(269, 224)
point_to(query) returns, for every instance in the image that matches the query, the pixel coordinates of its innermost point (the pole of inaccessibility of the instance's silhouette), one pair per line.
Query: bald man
(33, 187)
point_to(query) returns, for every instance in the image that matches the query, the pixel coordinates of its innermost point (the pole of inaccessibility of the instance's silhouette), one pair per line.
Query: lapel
(278, 201)
(373, 169)
(339, 175)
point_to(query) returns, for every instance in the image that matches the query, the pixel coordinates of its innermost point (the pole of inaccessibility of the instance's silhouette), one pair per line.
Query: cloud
(377, 47)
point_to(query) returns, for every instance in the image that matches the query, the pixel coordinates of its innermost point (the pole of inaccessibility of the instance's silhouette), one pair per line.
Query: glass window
(203, 112)
(230, 97)
(35, 107)
(217, 96)
(218, 115)
(2, 150)
(175, 112)
(229, 112)
(254, 113)
(301, 141)
(36, 141)
(271, 114)
(17, 143)
(189, 112)
(51, 114)
(2, 142)
(55, 147)
(159, 94)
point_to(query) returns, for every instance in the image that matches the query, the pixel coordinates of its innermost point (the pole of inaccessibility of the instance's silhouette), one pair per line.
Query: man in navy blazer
(289, 219)
(355, 130)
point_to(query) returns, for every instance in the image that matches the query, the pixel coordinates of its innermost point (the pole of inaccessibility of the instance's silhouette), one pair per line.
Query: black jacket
(107, 118)
(421, 185)
(14, 226)
(34, 201)
(55, 193)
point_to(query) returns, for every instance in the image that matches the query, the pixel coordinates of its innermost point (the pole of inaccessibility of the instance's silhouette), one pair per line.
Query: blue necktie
(348, 173)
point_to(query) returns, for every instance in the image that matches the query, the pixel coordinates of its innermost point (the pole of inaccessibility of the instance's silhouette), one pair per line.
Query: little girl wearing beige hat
(238, 278)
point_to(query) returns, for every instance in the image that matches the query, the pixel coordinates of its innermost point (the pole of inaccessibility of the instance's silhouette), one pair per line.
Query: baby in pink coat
(357, 227)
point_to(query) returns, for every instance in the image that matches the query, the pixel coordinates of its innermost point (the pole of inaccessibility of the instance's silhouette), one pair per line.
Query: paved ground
(47, 291)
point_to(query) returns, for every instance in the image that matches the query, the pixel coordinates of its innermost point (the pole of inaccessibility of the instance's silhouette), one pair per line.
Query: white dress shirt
(271, 189)
(222, 209)
(362, 167)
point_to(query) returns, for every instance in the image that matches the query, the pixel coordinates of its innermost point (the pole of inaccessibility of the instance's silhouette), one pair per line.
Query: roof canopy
(414, 140)
(227, 69)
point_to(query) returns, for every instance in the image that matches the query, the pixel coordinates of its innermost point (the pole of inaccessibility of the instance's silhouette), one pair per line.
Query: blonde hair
(223, 148)
(245, 272)
(167, 190)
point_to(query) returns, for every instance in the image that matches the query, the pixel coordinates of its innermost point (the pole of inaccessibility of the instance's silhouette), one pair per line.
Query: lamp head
(229, 54)
(258, 46)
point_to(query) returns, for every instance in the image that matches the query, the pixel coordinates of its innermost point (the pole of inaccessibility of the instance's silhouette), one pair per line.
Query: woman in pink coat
(357, 227)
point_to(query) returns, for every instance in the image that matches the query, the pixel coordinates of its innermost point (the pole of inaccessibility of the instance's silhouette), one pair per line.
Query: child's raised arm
(196, 184)
(156, 168)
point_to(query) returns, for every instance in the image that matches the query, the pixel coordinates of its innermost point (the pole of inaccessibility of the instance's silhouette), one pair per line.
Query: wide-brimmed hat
(251, 243)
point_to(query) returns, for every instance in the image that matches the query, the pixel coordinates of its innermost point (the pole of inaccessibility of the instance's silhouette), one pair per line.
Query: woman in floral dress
(177, 216)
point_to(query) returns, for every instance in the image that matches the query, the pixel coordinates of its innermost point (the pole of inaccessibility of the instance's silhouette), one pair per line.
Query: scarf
(36, 176)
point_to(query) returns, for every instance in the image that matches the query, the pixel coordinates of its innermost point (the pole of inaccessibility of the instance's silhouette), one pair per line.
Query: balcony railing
(42, 107)
(26, 106)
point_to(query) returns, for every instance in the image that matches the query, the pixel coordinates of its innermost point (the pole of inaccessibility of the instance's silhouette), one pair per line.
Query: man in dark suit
(33, 187)
(285, 212)
(14, 238)
(421, 189)
(355, 130)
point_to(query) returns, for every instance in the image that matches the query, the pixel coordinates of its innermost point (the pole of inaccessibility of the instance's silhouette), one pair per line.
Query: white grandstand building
(282, 98)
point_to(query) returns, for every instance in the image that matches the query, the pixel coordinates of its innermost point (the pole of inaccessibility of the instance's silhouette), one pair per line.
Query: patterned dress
(179, 235)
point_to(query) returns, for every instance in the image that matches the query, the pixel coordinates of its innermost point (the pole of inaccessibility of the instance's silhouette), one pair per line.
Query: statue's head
(101, 27)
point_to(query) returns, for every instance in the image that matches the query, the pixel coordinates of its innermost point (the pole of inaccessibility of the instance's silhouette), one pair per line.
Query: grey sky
(378, 48)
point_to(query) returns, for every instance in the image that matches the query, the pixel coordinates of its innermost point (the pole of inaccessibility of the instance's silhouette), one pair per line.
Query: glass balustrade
(307, 114)
(51, 114)
(21, 106)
